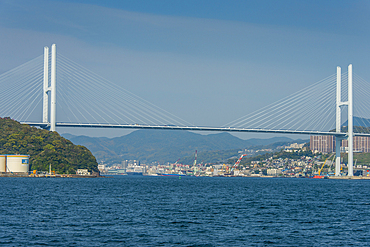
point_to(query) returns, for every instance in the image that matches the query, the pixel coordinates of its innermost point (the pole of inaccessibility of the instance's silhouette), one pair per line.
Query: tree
(44, 148)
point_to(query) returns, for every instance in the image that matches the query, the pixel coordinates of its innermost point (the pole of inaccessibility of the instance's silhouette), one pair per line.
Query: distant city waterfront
(305, 164)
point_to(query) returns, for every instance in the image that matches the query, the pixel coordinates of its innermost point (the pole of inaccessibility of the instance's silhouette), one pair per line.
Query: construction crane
(194, 168)
(319, 172)
(195, 159)
(238, 161)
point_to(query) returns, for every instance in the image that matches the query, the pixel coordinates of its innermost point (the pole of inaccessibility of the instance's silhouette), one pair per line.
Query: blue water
(191, 211)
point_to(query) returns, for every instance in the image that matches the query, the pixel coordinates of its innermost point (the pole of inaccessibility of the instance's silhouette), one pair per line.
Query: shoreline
(49, 176)
(19, 175)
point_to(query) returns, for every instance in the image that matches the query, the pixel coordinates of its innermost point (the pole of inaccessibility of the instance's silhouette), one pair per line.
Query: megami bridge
(87, 100)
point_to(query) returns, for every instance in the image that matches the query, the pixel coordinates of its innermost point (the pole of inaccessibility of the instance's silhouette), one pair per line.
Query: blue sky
(214, 61)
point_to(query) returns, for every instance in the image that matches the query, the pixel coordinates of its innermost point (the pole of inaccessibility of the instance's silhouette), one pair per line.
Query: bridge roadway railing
(190, 128)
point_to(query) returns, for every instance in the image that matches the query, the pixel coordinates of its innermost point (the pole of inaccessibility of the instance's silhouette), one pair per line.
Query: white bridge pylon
(49, 120)
(349, 136)
(52, 89)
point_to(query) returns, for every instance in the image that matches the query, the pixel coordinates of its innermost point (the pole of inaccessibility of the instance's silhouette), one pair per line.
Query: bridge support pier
(53, 80)
(337, 155)
(350, 122)
(338, 140)
(45, 105)
(338, 122)
(51, 89)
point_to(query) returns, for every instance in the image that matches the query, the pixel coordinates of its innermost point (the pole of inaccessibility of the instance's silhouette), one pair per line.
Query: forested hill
(44, 147)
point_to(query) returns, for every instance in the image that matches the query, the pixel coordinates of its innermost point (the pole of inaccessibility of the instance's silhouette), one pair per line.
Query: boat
(134, 173)
(172, 174)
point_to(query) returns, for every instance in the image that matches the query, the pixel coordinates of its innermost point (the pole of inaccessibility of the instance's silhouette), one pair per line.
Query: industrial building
(83, 172)
(14, 163)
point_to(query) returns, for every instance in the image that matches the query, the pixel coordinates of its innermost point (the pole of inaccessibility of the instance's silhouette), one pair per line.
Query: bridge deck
(190, 128)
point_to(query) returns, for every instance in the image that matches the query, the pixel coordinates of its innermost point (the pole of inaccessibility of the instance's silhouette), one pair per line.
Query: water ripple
(167, 211)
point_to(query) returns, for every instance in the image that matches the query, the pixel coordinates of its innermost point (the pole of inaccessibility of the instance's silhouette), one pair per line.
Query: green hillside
(44, 148)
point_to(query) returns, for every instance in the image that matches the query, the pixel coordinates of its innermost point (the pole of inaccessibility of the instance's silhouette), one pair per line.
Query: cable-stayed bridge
(53, 91)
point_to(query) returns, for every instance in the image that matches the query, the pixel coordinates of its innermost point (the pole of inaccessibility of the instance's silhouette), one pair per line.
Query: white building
(82, 172)
(274, 172)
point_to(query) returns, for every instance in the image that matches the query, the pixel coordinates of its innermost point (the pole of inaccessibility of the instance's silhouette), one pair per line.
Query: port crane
(176, 163)
(195, 163)
(238, 162)
(195, 159)
(322, 167)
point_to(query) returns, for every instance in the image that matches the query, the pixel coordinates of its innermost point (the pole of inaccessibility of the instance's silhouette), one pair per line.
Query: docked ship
(135, 170)
(172, 174)
(134, 173)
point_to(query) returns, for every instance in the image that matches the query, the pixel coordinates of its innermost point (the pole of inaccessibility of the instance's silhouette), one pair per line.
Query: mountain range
(359, 121)
(165, 145)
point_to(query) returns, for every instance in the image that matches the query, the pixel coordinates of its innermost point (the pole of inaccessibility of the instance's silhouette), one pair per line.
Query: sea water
(191, 211)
